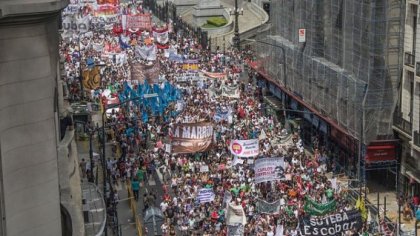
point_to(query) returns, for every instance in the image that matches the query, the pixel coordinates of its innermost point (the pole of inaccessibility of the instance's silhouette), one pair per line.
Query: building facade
(407, 114)
(339, 63)
(37, 166)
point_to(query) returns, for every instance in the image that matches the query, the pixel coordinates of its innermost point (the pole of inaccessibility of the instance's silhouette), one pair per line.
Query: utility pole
(236, 12)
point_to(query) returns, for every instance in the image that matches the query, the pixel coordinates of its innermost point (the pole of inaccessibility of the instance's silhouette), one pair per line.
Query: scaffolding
(350, 64)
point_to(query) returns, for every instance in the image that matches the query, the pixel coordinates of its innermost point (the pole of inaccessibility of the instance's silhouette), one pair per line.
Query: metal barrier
(133, 207)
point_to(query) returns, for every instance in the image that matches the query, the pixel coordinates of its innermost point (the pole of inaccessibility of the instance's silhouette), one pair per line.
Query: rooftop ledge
(10, 8)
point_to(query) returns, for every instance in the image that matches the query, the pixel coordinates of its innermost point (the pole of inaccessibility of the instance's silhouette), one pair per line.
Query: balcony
(402, 124)
(416, 138)
(409, 59)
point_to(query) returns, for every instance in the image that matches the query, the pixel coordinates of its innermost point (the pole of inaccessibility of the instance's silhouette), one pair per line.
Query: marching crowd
(143, 147)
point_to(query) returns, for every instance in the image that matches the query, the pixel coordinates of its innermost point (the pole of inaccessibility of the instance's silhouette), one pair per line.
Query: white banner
(235, 215)
(77, 25)
(244, 148)
(269, 169)
(205, 195)
(188, 76)
(146, 52)
(161, 37)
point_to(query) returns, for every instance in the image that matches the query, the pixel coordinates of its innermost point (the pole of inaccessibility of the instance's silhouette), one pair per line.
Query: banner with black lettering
(267, 207)
(333, 224)
(192, 137)
(269, 169)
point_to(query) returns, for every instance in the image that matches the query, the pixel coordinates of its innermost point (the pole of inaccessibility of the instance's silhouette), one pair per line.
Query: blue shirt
(135, 185)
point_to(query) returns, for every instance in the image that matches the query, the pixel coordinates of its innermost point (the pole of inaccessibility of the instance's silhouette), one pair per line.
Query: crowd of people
(143, 142)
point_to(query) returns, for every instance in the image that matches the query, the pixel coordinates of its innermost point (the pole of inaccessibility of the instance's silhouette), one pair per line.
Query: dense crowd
(142, 143)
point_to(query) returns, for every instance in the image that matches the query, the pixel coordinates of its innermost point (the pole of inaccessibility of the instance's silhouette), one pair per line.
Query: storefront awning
(274, 102)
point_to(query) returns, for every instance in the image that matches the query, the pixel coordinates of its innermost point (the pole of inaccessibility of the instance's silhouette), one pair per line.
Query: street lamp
(236, 12)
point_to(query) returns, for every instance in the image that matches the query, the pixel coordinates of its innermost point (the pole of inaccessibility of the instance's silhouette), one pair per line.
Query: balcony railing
(409, 59)
(416, 138)
(402, 124)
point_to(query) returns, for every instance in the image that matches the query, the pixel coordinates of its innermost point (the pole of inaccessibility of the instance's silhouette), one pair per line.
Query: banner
(318, 209)
(244, 148)
(188, 76)
(269, 169)
(205, 195)
(140, 21)
(215, 75)
(190, 67)
(137, 72)
(91, 78)
(222, 115)
(333, 224)
(161, 36)
(235, 230)
(192, 137)
(235, 215)
(146, 52)
(267, 207)
(230, 91)
(106, 10)
(173, 56)
(75, 25)
(152, 72)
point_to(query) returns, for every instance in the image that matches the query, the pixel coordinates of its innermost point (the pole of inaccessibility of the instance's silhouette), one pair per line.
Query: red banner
(214, 75)
(141, 21)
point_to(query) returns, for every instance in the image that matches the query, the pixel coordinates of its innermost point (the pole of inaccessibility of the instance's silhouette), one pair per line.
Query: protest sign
(204, 168)
(333, 224)
(205, 195)
(244, 148)
(267, 207)
(269, 169)
(192, 137)
(235, 215)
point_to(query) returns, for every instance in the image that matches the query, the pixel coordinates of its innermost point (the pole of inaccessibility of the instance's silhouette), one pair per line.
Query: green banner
(318, 209)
